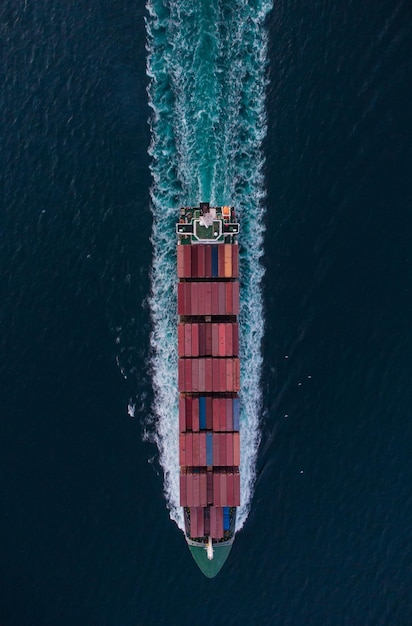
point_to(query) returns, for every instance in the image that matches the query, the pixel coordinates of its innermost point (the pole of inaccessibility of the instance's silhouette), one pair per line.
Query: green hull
(210, 568)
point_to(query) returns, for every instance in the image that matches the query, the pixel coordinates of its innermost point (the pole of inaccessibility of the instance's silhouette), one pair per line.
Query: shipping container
(202, 449)
(180, 262)
(223, 489)
(222, 448)
(219, 522)
(209, 487)
(208, 261)
(236, 490)
(180, 340)
(187, 260)
(196, 490)
(183, 490)
(203, 489)
(193, 522)
(209, 449)
(195, 367)
(215, 262)
(181, 375)
(235, 261)
(228, 350)
(216, 453)
(229, 450)
(221, 257)
(209, 375)
(195, 414)
(188, 339)
(202, 413)
(216, 414)
(209, 413)
(189, 412)
(236, 449)
(216, 489)
(182, 450)
(226, 518)
(230, 492)
(212, 522)
(194, 251)
(236, 414)
(235, 332)
(229, 413)
(222, 414)
(182, 414)
(207, 522)
(188, 385)
(189, 449)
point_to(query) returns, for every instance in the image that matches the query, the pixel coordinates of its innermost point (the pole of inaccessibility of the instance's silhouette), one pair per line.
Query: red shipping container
(229, 450)
(209, 413)
(202, 339)
(196, 490)
(222, 449)
(181, 375)
(228, 340)
(189, 490)
(229, 414)
(186, 298)
(183, 490)
(202, 451)
(188, 375)
(201, 296)
(189, 412)
(195, 375)
(222, 303)
(236, 375)
(222, 414)
(195, 414)
(223, 489)
(209, 487)
(236, 449)
(208, 261)
(230, 489)
(189, 449)
(208, 344)
(202, 373)
(215, 339)
(203, 490)
(182, 450)
(207, 522)
(236, 490)
(182, 414)
(181, 298)
(194, 294)
(200, 523)
(188, 339)
(216, 454)
(229, 298)
(201, 260)
(219, 522)
(229, 374)
(193, 522)
(208, 298)
(222, 339)
(215, 374)
(221, 261)
(196, 450)
(216, 489)
(187, 253)
(212, 522)
(235, 287)
(235, 261)
(235, 329)
(209, 375)
(215, 299)
(216, 414)
(180, 340)
(194, 273)
(180, 261)
(195, 340)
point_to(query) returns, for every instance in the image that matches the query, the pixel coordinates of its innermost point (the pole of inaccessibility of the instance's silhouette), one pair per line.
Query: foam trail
(206, 64)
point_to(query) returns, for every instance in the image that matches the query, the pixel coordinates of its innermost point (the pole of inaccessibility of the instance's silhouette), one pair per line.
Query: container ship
(208, 380)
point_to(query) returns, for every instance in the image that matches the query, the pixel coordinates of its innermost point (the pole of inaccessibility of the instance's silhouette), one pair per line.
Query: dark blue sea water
(86, 532)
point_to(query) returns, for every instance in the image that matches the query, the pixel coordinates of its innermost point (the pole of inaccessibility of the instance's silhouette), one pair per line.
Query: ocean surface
(299, 113)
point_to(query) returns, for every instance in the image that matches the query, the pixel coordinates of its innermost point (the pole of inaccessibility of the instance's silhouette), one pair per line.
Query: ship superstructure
(208, 380)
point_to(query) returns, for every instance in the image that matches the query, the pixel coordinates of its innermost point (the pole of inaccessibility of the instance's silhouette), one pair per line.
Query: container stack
(209, 382)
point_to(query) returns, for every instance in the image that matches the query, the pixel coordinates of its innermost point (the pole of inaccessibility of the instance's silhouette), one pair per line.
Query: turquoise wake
(207, 70)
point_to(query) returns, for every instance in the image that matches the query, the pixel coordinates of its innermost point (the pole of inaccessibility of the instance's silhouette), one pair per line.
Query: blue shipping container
(226, 518)
(202, 413)
(209, 449)
(236, 413)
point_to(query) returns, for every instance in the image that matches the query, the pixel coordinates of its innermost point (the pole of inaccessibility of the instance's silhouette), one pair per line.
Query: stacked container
(209, 382)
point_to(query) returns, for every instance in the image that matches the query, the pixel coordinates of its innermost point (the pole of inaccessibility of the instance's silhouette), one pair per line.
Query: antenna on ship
(209, 548)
